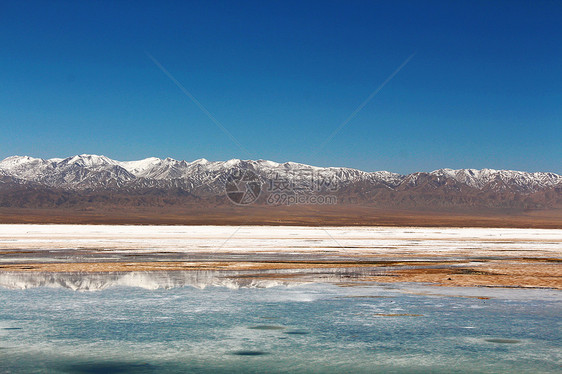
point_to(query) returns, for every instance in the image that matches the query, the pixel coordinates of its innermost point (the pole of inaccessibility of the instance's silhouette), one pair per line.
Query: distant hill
(91, 183)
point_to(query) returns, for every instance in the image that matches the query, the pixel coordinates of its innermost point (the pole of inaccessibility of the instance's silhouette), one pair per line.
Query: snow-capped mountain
(499, 180)
(85, 182)
(92, 172)
(77, 172)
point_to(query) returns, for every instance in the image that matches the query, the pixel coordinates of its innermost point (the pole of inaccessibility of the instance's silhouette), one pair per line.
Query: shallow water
(300, 328)
(312, 319)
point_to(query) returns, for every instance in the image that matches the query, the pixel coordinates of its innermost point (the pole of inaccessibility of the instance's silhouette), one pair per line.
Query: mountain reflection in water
(201, 279)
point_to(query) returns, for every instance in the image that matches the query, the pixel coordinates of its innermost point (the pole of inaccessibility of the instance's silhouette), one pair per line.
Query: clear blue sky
(484, 88)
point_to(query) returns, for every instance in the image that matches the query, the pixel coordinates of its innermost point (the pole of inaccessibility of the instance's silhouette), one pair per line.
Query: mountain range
(86, 181)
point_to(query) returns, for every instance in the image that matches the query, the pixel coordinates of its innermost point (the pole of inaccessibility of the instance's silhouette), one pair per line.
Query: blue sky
(482, 90)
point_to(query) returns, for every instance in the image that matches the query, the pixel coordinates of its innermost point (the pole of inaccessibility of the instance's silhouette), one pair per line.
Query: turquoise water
(306, 328)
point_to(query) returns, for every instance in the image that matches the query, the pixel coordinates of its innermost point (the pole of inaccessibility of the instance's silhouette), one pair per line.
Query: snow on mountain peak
(89, 160)
(201, 161)
(501, 179)
(140, 167)
(93, 171)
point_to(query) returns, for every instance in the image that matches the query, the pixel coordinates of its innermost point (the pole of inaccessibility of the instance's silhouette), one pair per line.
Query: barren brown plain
(338, 215)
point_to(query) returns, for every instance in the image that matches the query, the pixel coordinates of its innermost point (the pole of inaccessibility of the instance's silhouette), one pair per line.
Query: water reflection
(309, 328)
(80, 281)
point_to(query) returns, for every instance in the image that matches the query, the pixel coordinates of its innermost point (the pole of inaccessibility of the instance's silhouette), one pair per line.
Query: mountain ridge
(97, 183)
(98, 172)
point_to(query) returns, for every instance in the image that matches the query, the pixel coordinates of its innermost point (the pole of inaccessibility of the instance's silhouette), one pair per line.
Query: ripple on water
(266, 327)
(398, 315)
(249, 353)
(110, 368)
(296, 332)
(503, 341)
